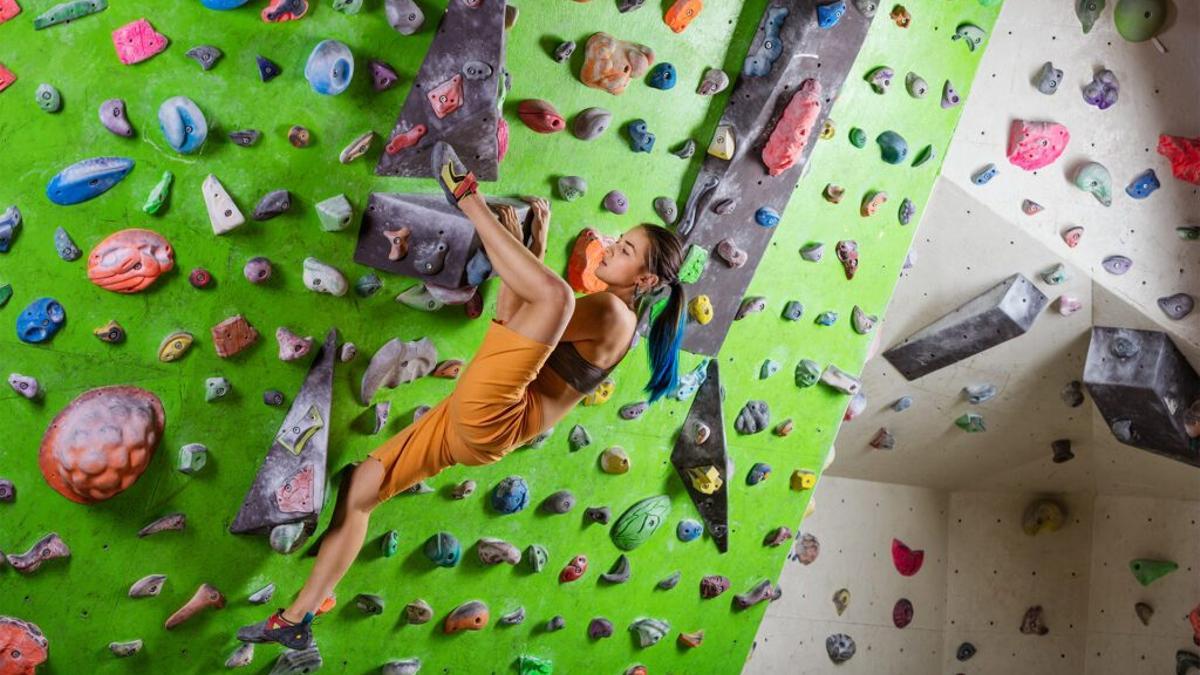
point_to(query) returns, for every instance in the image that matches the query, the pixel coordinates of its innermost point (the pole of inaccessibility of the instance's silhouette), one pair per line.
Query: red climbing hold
(405, 139)
(907, 561)
(540, 116)
(8, 9)
(447, 96)
(6, 77)
(1194, 619)
(902, 613)
(296, 493)
(792, 132)
(1183, 153)
(23, 647)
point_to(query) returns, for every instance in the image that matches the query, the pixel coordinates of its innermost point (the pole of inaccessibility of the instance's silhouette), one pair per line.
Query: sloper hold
(206, 596)
(1005, 311)
(398, 362)
(445, 101)
(404, 16)
(472, 615)
(289, 488)
(689, 454)
(183, 124)
(65, 12)
(330, 67)
(610, 64)
(1143, 387)
(640, 522)
(87, 179)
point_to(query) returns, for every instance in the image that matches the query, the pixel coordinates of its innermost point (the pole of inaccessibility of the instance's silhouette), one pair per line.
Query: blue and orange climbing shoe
(275, 628)
(456, 181)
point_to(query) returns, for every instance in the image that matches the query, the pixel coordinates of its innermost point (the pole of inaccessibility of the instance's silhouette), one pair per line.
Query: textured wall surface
(81, 604)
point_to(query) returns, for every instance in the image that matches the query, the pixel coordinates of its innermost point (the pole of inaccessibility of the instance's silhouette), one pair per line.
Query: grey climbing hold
(666, 209)
(649, 631)
(402, 667)
(1048, 78)
(979, 393)
(262, 595)
(1001, 313)
(245, 137)
(48, 98)
(793, 310)
(335, 213)
(357, 147)
(193, 456)
(205, 55)
(916, 85)
(148, 586)
(367, 285)
(495, 551)
(559, 502)
(298, 662)
(463, 490)
(578, 438)
(901, 404)
(753, 418)
(67, 250)
(950, 96)
(883, 440)
(840, 380)
(629, 5)
(418, 612)
(750, 305)
(241, 657)
(761, 591)
(369, 604)
(863, 323)
(866, 7)
(768, 368)
(669, 582)
(404, 16)
(124, 649)
(840, 647)
(514, 617)
(686, 150)
(619, 572)
(632, 411)
(556, 623)
(564, 51)
(1177, 306)
(571, 188)
(714, 82)
(813, 252)
(597, 514)
(616, 202)
(112, 116)
(590, 123)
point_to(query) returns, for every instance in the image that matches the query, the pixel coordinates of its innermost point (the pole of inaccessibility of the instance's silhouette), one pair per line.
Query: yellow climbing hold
(601, 393)
(722, 146)
(803, 480)
(705, 479)
(701, 309)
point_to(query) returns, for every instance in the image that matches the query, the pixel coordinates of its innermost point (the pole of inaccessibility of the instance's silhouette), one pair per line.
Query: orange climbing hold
(681, 14)
(611, 63)
(586, 255)
(23, 647)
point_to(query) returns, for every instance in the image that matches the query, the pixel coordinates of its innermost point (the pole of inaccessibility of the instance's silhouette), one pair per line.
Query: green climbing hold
(158, 196)
(693, 264)
(390, 543)
(1140, 20)
(335, 213)
(535, 665)
(807, 373)
(858, 137)
(5, 294)
(927, 153)
(642, 519)
(892, 147)
(1149, 571)
(971, 423)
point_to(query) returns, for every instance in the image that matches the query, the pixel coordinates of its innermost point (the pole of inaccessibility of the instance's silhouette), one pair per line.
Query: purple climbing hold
(753, 418)
(751, 305)
(600, 628)
(383, 76)
(616, 202)
(267, 69)
(758, 473)
(633, 411)
(1103, 90)
(713, 585)
(257, 270)
(1116, 264)
(112, 116)
(1177, 306)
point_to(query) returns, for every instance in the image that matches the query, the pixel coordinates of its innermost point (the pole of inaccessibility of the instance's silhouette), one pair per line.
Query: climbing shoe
(275, 628)
(456, 181)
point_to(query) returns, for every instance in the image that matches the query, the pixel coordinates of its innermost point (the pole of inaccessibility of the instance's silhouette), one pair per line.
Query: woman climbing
(505, 397)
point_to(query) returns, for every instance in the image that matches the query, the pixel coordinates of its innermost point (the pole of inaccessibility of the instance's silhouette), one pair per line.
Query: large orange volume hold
(130, 260)
(586, 256)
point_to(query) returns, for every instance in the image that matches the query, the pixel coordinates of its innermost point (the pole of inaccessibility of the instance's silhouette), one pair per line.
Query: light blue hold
(688, 530)
(87, 179)
(1143, 185)
(330, 67)
(40, 321)
(985, 175)
(182, 124)
(759, 62)
(766, 216)
(223, 4)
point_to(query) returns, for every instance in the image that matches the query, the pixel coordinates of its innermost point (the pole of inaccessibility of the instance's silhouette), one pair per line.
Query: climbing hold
(174, 346)
(863, 323)
(245, 137)
(616, 202)
(1177, 306)
(984, 175)
(906, 212)
(1055, 275)
(578, 438)
(847, 253)
(880, 79)
(714, 82)
(1062, 451)
(370, 284)
(590, 123)
(148, 586)
(555, 623)
(1103, 90)
(383, 75)
(1032, 623)
(8, 492)
(574, 569)
(181, 122)
(1093, 177)
(792, 310)
(927, 153)
(807, 548)
(40, 321)
(158, 195)
(262, 595)
(402, 667)
(404, 16)
(513, 618)
(916, 85)
(662, 76)
(840, 380)
(768, 368)
(79, 182)
(510, 495)
(537, 556)
(857, 137)
(601, 393)
(866, 7)
(368, 603)
(215, 388)
(597, 514)
(1048, 78)
(48, 98)
(649, 631)
(807, 373)
(640, 521)
(418, 612)
(777, 536)
(1143, 185)
(688, 530)
(329, 68)
(272, 204)
(223, 213)
(335, 213)
(901, 16)
(1144, 613)
(599, 628)
(907, 561)
(614, 460)
(753, 418)
(609, 63)
(1116, 264)
(1043, 515)
(1184, 156)
(681, 13)
(830, 13)
(965, 651)
(571, 188)
(129, 261)
(685, 150)
(640, 138)
(693, 264)
(323, 278)
(802, 480)
(257, 270)
(292, 346)
(137, 41)
(1148, 571)
(833, 193)
(296, 662)
(666, 209)
(790, 136)
(10, 222)
(871, 202)
(713, 585)
(49, 547)
(357, 148)
(1088, 11)
(193, 456)
(979, 393)
(619, 572)
(495, 551)
(204, 597)
(750, 305)
(670, 581)
(893, 149)
(540, 116)
(950, 96)
(564, 51)
(723, 145)
(1139, 20)
(65, 246)
(840, 647)
(758, 473)
(762, 57)
(299, 136)
(559, 502)
(902, 613)
(1072, 235)
(971, 422)
(124, 649)
(173, 522)
(206, 55)
(970, 34)
(729, 252)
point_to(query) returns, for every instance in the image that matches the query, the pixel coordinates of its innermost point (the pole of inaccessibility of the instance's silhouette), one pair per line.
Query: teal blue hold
(892, 147)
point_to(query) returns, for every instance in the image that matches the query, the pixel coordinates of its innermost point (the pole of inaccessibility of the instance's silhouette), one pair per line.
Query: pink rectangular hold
(8, 9)
(135, 42)
(6, 77)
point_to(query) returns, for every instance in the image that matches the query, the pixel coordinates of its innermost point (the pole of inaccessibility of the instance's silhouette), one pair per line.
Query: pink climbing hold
(907, 561)
(792, 132)
(1033, 145)
(8, 9)
(296, 493)
(6, 77)
(447, 96)
(501, 138)
(405, 139)
(1182, 153)
(137, 41)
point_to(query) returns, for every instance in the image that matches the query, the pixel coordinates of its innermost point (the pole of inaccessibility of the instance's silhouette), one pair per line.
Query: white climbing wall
(963, 494)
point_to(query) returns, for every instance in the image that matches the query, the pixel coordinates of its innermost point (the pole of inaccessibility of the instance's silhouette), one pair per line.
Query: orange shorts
(490, 412)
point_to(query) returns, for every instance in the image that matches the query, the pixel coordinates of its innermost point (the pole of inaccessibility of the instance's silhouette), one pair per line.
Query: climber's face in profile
(625, 261)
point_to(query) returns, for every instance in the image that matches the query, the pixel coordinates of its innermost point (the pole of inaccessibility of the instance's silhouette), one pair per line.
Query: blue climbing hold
(827, 318)
(223, 4)
(87, 179)
(830, 13)
(760, 60)
(892, 147)
(479, 268)
(985, 175)
(183, 124)
(662, 76)
(40, 321)
(1143, 184)
(330, 67)
(510, 495)
(758, 473)
(10, 222)
(766, 216)
(267, 69)
(640, 138)
(443, 549)
(688, 530)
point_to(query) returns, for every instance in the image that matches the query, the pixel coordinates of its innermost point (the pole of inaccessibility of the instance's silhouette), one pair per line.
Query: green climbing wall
(81, 604)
